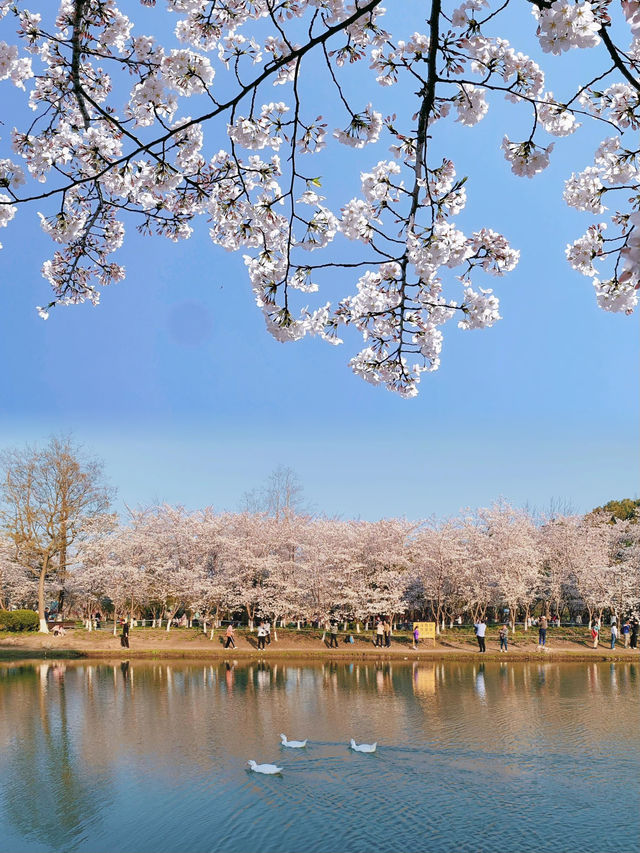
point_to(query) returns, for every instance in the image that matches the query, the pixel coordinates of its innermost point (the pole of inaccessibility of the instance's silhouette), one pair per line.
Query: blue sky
(175, 383)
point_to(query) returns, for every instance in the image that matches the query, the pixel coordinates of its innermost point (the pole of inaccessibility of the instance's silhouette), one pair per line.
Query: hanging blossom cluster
(196, 129)
(614, 175)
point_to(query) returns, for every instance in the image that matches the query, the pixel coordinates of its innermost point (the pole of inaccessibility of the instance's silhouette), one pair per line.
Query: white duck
(363, 747)
(268, 769)
(294, 744)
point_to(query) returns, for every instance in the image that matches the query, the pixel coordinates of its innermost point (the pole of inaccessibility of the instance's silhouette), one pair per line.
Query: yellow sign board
(426, 630)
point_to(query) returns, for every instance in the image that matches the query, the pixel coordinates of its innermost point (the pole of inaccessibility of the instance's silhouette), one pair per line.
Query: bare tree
(281, 496)
(48, 497)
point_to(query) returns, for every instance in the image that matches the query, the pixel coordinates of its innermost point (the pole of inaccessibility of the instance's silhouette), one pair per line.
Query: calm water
(151, 757)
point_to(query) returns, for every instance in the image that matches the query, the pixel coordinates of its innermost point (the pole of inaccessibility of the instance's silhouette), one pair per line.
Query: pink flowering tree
(511, 551)
(376, 561)
(562, 541)
(250, 560)
(324, 561)
(624, 566)
(195, 128)
(477, 576)
(212, 582)
(108, 567)
(591, 557)
(438, 557)
(16, 586)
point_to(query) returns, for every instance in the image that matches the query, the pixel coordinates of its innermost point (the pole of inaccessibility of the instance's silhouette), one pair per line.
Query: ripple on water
(519, 760)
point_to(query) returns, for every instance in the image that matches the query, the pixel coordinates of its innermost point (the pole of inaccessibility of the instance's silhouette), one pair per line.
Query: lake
(145, 756)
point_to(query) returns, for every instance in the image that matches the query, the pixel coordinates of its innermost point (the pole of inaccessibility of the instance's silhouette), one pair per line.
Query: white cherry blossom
(123, 126)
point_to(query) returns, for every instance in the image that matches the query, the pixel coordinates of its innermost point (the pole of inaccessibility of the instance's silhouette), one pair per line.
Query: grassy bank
(571, 643)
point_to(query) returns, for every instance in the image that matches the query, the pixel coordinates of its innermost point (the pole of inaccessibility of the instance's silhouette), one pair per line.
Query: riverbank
(568, 644)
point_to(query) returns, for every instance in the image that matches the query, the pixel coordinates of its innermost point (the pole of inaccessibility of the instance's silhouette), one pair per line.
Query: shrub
(19, 620)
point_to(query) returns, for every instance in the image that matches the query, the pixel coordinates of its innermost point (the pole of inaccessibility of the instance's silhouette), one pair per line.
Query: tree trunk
(115, 623)
(62, 554)
(44, 628)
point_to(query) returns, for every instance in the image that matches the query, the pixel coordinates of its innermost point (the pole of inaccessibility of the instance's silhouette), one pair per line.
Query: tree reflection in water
(48, 799)
(151, 755)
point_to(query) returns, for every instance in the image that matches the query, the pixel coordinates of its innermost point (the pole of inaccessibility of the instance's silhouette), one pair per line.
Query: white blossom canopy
(110, 149)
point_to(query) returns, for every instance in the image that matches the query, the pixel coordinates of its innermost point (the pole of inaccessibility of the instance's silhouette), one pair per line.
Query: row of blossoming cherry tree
(292, 567)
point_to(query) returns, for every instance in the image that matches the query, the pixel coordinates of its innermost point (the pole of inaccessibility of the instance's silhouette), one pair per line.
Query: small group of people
(629, 632)
(333, 635)
(480, 628)
(264, 635)
(382, 633)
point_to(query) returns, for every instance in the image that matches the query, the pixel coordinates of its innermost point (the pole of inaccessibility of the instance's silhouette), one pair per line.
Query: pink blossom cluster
(564, 25)
(192, 129)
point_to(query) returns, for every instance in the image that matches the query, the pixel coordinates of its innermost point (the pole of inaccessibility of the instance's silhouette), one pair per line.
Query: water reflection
(480, 686)
(47, 798)
(424, 679)
(151, 756)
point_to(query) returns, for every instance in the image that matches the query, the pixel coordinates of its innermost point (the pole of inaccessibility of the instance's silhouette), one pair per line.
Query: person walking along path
(230, 641)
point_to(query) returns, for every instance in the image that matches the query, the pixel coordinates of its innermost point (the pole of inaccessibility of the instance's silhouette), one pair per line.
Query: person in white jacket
(481, 629)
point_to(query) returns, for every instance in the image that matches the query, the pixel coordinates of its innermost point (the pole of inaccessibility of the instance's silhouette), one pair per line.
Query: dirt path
(190, 643)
